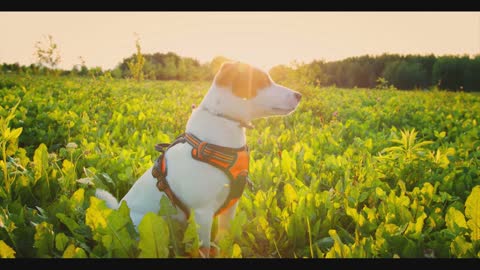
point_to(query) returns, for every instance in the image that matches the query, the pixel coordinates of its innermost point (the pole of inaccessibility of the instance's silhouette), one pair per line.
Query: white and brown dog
(239, 94)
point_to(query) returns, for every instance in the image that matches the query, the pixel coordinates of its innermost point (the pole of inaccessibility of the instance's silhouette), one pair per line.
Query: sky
(264, 39)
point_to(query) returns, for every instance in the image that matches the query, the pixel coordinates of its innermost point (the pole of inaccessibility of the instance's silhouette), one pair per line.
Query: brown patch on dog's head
(244, 80)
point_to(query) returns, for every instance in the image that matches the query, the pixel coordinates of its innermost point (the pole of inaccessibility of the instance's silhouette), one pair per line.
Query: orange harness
(232, 161)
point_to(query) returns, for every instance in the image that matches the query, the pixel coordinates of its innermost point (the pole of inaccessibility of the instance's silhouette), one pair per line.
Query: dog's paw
(213, 252)
(206, 252)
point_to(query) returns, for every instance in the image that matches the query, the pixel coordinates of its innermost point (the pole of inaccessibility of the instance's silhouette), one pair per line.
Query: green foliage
(8, 145)
(449, 72)
(6, 251)
(112, 229)
(472, 212)
(74, 252)
(383, 83)
(401, 71)
(167, 66)
(455, 73)
(365, 173)
(44, 239)
(406, 75)
(154, 237)
(190, 238)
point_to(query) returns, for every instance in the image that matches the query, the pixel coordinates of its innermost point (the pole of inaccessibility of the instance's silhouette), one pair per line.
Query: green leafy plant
(368, 173)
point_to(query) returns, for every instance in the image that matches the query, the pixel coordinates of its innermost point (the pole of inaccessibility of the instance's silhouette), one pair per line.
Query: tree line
(450, 72)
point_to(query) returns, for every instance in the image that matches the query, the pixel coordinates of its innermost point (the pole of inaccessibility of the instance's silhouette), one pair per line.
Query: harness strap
(195, 142)
(159, 171)
(224, 158)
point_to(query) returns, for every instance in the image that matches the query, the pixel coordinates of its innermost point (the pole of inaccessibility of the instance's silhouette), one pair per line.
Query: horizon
(263, 39)
(281, 64)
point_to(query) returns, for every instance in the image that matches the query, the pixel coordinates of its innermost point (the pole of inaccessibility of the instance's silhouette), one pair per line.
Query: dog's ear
(225, 74)
(227, 65)
(242, 79)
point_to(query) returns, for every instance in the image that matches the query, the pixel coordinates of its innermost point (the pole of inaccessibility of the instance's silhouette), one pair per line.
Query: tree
(280, 73)
(48, 54)
(83, 67)
(471, 78)
(405, 75)
(136, 65)
(448, 72)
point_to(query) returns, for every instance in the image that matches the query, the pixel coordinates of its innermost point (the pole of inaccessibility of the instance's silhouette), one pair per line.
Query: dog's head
(246, 92)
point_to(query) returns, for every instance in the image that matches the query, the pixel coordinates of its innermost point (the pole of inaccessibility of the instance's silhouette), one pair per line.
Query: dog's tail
(109, 199)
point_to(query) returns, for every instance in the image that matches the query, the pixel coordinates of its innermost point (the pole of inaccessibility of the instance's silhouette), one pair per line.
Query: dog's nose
(298, 96)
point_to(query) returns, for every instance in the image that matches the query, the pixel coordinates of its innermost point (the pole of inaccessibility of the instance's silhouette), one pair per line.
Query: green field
(352, 173)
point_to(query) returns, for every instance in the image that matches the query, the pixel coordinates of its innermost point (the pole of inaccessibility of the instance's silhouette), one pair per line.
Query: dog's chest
(196, 183)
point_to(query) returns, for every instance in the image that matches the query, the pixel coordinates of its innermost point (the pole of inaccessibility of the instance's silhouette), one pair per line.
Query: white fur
(109, 199)
(201, 186)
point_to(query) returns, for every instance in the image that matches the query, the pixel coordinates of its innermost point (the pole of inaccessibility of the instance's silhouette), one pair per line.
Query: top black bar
(243, 5)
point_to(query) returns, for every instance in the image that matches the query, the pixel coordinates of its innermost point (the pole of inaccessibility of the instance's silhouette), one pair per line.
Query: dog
(194, 177)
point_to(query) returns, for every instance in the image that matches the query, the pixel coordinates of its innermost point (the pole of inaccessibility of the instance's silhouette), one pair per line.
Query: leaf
(339, 249)
(440, 135)
(455, 220)
(420, 223)
(290, 194)
(44, 238)
(236, 251)
(288, 164)
(40, 159)
(6, 222)
(78, 197)
(67, 166)
(472, 211)
(123, 209)
(325, 243)
(352, 212)
(141, 116)
(74, 252)
(107, 179)
(14, 134)
(61, 241)
(166, 207)
(96, 215)
(69, 170)
(190, 237)
(380, 193)
(460, 247)
(71, 224)
(154, 237)
(237, 224)
(113, 228)
(6, 251)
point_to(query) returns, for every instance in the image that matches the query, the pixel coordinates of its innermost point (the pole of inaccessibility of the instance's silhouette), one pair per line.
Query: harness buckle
(202, 147)
(162, 185)
(161, 147)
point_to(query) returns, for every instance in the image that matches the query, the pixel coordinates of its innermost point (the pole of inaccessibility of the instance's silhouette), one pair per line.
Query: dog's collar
(241, 123)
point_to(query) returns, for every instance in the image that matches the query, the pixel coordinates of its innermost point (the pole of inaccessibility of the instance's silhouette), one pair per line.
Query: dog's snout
(298, 96)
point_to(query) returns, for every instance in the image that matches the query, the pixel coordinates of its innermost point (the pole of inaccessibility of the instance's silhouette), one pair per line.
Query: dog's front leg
(224, 220)
(204, 218)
